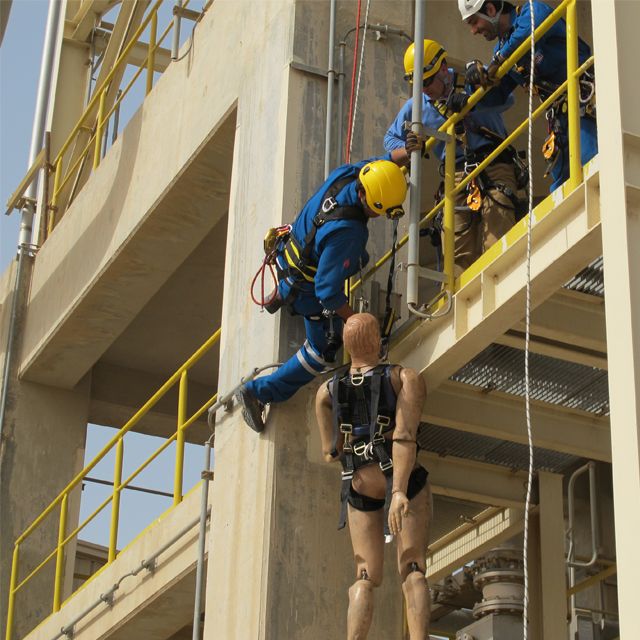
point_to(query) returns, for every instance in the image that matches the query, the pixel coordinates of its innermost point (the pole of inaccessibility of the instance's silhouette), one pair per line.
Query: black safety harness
(300, 265)
(363, 411)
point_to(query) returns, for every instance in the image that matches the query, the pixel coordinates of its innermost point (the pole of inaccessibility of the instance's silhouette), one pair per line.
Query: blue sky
(20, 56)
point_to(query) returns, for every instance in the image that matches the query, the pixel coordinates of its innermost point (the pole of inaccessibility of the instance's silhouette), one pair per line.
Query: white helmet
(469, 7)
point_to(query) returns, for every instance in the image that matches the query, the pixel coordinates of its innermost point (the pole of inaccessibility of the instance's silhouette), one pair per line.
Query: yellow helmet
(385, 187)
(434, 54)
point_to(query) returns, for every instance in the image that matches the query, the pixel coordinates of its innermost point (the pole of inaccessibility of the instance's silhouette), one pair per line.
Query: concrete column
(42, 448)
(616, 50)
(552, 562)
(277, 567)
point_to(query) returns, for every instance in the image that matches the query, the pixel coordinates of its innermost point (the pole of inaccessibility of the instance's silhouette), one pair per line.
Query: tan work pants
(476, 231)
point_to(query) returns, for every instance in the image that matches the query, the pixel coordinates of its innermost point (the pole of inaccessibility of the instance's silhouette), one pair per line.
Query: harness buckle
(329, 205)
(385, 466)
(378, 438)
(383, 421)
(347, 475)
(357, 379)
(360, 448)
(346, 428)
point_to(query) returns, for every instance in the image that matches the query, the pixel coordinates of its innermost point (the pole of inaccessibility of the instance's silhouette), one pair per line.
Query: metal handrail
(117, 441)
(475, 98)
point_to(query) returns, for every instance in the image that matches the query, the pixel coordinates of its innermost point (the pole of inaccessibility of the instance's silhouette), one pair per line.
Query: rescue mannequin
(380, 474)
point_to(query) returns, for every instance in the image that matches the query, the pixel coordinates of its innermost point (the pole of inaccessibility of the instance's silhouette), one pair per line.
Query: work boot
(252, 409)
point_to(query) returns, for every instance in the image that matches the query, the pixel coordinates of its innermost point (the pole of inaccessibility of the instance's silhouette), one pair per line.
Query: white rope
(527, 398)
(360, 66)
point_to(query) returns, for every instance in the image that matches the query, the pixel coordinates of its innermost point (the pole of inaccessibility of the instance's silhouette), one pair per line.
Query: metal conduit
(595, 536)
(415, 177)
(107, 597)
(177, 18)
(331, 74)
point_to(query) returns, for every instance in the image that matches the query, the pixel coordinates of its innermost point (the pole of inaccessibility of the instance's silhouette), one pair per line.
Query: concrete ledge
(151, 605)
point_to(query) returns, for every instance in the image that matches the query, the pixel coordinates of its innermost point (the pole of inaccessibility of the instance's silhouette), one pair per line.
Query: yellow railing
(180, 377)
(94, 123)
(566, 9)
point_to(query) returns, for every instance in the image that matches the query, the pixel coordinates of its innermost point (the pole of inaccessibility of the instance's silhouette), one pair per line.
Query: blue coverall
(550, 67)
(339, 250)
(482, 116)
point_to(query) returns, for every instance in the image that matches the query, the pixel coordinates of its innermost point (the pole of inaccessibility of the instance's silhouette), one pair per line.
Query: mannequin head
(361, 338)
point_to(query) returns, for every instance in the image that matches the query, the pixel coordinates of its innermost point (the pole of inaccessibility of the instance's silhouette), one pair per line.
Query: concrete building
(145, 242)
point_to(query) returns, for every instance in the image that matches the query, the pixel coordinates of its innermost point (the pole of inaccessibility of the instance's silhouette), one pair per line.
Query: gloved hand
(457, 101)
(475, 74)
(493, 67)
(415, 142)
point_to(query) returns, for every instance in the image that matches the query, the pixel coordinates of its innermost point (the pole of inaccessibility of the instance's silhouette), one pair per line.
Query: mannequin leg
(412, 548)
(367, 540)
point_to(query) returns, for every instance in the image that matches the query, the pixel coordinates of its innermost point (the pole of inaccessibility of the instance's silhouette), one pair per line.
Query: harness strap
(348, 468)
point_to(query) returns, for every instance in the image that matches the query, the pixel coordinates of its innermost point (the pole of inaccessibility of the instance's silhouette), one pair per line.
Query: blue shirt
(483, 115)
(339, 247)
(550, 51)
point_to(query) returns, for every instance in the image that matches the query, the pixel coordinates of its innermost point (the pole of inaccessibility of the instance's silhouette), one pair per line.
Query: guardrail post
(182, 418)
(115, 501)
(151, 57)
(573, 97)
(449, 208)
(62, 532)
(99, 129)
(12, 591)
(54, 196)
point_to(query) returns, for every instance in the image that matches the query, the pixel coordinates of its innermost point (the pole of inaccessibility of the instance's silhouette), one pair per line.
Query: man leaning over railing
(511, 26)
(486, 210)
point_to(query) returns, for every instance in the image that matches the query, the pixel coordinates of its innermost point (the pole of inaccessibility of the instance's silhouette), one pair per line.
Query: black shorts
(417, 480)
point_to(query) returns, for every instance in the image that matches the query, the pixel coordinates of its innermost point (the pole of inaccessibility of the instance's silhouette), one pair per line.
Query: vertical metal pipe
(27, 214)
(175, 45)
(415, 178)
(202, 533)
(115, 500)
(573, 97)
(151, 56)
(331, 75)
(42, 105)
(182, 418)
(449, 208)
(62, 534)
(12, 591)
(340, 118)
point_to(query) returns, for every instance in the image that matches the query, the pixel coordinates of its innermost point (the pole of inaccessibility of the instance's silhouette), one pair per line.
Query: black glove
(415, 142)
(456, 101)
(475, 74)
(493, 67)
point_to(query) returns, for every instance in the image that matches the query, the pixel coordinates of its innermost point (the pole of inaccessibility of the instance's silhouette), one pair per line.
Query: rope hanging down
(527, 389)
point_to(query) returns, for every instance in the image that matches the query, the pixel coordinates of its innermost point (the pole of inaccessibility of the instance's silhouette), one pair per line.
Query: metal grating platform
(445, 442)
(559, 382)
(590, 280)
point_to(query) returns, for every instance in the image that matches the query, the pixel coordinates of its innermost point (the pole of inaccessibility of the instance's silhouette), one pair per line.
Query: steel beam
(472, 542)
(138, 54)
(566, 237)
(474, 481)
(87, 15)
(500, 415)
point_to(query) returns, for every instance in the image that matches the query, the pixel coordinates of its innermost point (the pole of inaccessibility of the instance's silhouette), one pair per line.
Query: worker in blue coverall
(325, 246)
(511, 26)
(492, 213)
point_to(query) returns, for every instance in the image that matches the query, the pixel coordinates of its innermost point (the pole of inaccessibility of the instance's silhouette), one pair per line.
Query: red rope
(347, 153)
(261, 302)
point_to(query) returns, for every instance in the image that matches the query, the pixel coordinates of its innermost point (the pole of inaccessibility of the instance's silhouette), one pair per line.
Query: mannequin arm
(324, 415)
